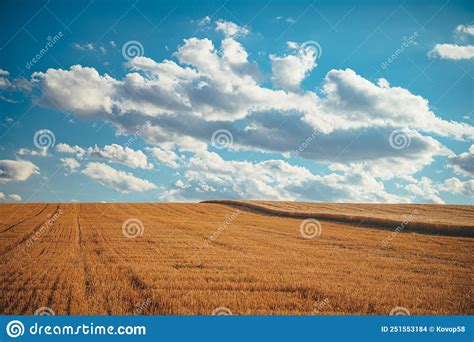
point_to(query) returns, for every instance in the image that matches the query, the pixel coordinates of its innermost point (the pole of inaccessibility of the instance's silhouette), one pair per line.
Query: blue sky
(188, 100)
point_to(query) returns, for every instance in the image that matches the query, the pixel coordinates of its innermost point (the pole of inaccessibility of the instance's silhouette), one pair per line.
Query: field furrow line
(25, 220)
(28, 235)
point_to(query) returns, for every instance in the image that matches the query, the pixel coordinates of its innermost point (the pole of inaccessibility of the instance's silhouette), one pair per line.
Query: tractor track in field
(28, 235)
(25, 220)
(355, 220)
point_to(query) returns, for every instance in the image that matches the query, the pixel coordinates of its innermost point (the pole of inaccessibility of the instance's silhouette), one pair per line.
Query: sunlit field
(186, 259)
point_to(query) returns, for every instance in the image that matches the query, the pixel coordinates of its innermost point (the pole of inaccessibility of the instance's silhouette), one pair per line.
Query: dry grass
(450, 220)
(79, 262)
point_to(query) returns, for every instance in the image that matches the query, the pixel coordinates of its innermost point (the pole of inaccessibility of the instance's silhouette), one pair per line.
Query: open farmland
(193, 258)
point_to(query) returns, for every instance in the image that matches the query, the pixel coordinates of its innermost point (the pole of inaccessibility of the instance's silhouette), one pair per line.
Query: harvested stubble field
(194, 258)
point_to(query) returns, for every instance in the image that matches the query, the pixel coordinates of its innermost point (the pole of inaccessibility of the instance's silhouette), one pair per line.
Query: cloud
(210, 176)
(287, 19)
(463, 163)
(117, 154)
(289, 71)
(17, 85)
(15, 197)
(80, 90)
(16, 170)
(352, 101)
(456, 186)
(84, 47)
(452, 51)
(121, 181)
(70, 164)
(204, 21)
(177, 105)
(429, 191)
(230, 29)
(425, 189)
(113, 153)
(223, 86)
(27, 152)
(465, 29)
(65, 148)
(166, 156)
(4, 83)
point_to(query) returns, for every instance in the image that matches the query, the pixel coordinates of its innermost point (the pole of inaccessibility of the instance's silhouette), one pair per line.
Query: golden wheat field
(252, 259)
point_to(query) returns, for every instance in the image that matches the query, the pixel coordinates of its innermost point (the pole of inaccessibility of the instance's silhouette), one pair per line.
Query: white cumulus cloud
(231, 29)
(16, 170)
(465, 29)
(208, 87)
(70, 164)
(289, 71)
(112, 153)
(463, 163)
(15, 197)
(121, 181)
(452, 51)
(166, 156)
(115, 153)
